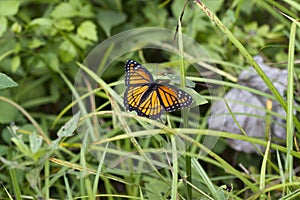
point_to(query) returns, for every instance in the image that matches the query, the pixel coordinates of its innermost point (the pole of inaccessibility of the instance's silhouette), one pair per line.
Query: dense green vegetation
(51, 67)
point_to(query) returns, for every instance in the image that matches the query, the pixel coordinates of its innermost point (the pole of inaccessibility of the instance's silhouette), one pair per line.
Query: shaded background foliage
(41, 38)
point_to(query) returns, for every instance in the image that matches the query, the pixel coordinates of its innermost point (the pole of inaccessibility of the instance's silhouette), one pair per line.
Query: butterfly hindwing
(133, 96)
(144, 101)
(149, 98)
(173, 98)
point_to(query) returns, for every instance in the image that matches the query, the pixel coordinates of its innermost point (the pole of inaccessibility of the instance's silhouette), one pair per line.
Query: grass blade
(290, 104)
(175, 168)
(262, 182)
(205, 178)
(96, 181)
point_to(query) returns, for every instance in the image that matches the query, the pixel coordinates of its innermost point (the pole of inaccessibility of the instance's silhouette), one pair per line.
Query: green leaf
(108, 19)
(3, 25)
(15, 63)
(35, 142)
(8, 112)
(214, 6)
(43, 25)
(52, 61)
(87, 29)
(83, 8)
(156, 189)
(3, 149)
(40, 22)
(69, 127)
(22, 146)
(64, 24)
(198, 99)
(64, 10)
(17, 48)
(72, 9)
(156, 16)
(67, 51)
(6, 136)
(79, 41)
(263, 30)
(16, 27)
(222, 192)
(229, 18)
(8, 8)
(35, 43)
(6, 82)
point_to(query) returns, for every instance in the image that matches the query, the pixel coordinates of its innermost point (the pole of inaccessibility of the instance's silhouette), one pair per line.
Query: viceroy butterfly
(150, 98)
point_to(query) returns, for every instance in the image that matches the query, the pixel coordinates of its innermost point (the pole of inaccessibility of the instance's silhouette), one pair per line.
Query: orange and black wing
(148, 98)
(136, 74)
(173, 98)
(144, 101)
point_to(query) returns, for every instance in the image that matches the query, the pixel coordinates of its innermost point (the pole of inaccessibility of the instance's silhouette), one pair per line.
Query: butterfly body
(151, 87)
(150, 98)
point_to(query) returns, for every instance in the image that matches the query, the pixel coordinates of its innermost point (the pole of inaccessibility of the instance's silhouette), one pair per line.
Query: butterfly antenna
(180, 19)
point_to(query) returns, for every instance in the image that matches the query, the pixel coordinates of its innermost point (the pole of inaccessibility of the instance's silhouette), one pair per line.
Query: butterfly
(151, 98)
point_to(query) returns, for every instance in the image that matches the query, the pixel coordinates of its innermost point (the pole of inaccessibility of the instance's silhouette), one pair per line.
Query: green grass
(64, 141)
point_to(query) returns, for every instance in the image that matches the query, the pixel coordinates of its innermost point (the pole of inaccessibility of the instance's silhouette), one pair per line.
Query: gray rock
(249, 109)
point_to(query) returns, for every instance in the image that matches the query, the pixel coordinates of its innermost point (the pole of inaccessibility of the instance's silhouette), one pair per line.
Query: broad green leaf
(8, 8)
(8, 113)
(40, 22)
(263, 30)
(87, 30)
(79, 41)
(35, 43)
(52, 61)
(3, 149)
(108, 19)
(6, 136)
(155, 16)
(64, 24)
(229, 18)
(43, 25)
(15, 63)
(83, 8)
(198, 99)
(67, 51)
(69, 127)
(247, 7)
(213, 6)
(64, 10)
(3, 25)
(16, 27)
(36, 62)
(72, 9)
(17, 48)
(6, 82)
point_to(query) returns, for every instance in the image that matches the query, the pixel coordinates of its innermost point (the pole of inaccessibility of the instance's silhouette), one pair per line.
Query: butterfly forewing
(136, 74)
